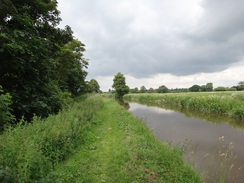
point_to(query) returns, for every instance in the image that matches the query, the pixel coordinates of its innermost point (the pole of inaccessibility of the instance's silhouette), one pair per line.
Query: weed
(230, 103)
(30, 151)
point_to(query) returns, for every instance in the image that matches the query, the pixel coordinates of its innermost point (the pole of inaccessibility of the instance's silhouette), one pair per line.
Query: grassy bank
(230, 103)
(29, 152)
(96, 140)
(120, 148)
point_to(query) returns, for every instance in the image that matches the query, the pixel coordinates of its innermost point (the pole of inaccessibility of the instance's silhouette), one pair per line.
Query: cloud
(144, 39)
(227, 78)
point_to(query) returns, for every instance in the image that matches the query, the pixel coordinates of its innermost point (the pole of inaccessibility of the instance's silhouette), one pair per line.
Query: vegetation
(231, 103)
(41, 64)
(120, 148)
(95, 140)
(69, 71)
(194, 88)
(93, 86)
(5, 110)
(29, 152)
(120, 86)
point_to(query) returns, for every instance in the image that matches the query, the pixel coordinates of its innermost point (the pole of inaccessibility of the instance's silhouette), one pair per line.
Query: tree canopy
(120, 86)
(93, 86)
(31, 47)
(162, 89)
(195, 88)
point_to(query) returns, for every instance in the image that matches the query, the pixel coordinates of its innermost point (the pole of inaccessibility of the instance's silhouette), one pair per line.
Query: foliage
(121, 148)
(220, 88)
(162, 89)
(70, 67)
(195, 88)
(207, 87)
(29, 152)
(31, 45)
(237, 112)
(93, 86)
(120, 86)
(151, 90)
(143, 89)
(5, 111)
(134, 90)
(221, 103)
(240, 86)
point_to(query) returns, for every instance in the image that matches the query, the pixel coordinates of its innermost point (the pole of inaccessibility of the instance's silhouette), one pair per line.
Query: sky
(176, 43)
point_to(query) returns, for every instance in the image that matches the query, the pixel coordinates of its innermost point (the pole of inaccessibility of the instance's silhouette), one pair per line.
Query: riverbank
(113, 146)
(227, 103)
(120, 148)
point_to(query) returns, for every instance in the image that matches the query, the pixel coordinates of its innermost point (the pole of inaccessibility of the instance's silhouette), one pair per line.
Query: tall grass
(30, 151)
(230, 103)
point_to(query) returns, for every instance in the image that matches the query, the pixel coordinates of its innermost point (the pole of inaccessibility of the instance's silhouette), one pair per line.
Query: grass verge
(120, 148)
(29, 152)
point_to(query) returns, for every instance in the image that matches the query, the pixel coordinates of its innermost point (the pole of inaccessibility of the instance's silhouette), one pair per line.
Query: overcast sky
(177, 43)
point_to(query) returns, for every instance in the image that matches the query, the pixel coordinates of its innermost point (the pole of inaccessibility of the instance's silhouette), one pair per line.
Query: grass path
(120, 148)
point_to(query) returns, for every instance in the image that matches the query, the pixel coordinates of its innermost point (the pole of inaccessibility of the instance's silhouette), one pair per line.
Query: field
(228, 103)
(95, 140)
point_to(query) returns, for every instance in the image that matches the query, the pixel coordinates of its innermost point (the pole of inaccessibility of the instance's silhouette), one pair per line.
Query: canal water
(216, 150)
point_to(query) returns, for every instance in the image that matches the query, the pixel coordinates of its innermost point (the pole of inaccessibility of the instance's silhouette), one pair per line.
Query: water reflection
(126, 105)
(216, 149)
(210, 117)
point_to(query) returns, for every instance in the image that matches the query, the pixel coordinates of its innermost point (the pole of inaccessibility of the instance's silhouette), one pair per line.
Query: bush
(220, 88)
(5, 111)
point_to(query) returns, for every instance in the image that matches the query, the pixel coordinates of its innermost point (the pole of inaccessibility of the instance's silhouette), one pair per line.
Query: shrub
(5, 111)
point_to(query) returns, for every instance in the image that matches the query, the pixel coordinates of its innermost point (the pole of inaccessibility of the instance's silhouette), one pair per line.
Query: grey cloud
(118, 42)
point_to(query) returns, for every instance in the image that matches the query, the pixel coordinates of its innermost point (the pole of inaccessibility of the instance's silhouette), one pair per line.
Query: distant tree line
(194, 88)
(41, 66)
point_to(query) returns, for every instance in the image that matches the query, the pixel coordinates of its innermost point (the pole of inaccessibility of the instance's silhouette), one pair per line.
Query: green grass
(228, 103)
(120, 148)
(95, 140)
(29, 152)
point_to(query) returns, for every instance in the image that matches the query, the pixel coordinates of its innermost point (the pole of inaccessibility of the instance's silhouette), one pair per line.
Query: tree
(120, 86)
(209, 87)
(143, 89)
(29, 42)
(162, 89)
(135, 90)
(151, 90)
(195, 88)
(93, 86)
(240, 86)
(70, 67)
(220, 88)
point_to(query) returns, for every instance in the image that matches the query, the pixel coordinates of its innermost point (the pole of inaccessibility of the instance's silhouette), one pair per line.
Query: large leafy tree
(207, 87)
(29, 41)
(162, 89)
(195, 88)
(143, 89)
(93, 86)
(70, 67)
(240, 86)
(120, 86)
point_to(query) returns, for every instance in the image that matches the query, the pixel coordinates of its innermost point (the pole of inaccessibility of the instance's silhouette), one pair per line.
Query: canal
(216, 150)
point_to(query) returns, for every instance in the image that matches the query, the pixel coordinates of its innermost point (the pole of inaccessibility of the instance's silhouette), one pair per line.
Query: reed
(229, 103)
